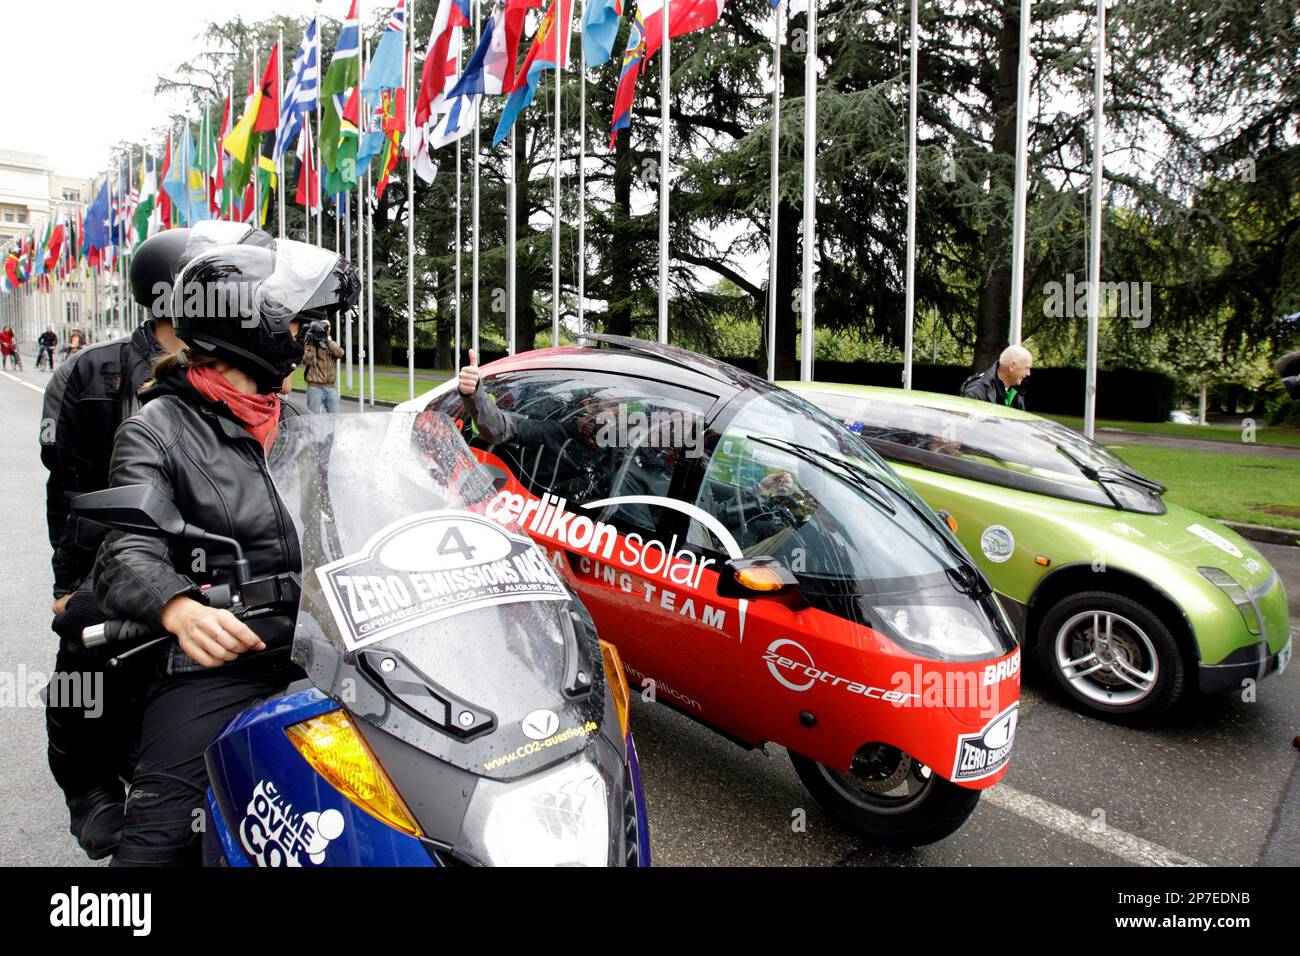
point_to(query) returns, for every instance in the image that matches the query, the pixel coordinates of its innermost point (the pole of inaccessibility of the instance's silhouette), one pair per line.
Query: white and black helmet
(235, 302)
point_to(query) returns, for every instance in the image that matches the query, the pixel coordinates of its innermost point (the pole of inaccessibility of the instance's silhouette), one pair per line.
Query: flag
(185, 184)
(241, 142)
(512, 28)
(541, 57)
(600, 20)
(164, 200)
(386, 69)
(266, 178)
(485, 72)
(343, 74)
(302, 94)
(54, 247)
(393, 115)
(268, 105)
(344, 174)
(97, 219)
(439, 73)
(219, 202)
(685, 16)
(144, 211)
(633, 59)
(308, 193)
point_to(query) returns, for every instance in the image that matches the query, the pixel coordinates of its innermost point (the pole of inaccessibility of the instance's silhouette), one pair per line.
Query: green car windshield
(1033, 454)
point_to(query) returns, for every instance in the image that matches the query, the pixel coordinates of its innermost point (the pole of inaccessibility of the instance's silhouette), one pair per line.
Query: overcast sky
(80, 74)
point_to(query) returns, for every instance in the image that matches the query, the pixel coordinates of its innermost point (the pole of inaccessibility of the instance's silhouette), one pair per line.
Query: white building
(32, 196)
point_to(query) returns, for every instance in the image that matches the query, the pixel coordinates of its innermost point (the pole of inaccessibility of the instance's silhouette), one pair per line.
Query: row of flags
(362, 120)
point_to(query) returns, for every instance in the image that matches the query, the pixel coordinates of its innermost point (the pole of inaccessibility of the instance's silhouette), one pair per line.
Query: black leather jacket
(86, 399)
(200, 455)
(987, 387)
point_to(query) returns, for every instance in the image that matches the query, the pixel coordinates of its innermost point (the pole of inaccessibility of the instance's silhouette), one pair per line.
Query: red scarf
(260, 414)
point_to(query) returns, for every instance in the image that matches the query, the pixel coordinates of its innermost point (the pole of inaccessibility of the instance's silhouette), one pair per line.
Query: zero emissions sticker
(430, 566)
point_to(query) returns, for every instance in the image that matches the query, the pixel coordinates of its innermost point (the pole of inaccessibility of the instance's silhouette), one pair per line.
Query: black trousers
(92, 713)
(165, 816)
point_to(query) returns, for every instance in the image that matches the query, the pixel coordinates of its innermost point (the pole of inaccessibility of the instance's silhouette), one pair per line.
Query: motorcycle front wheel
(888, 796)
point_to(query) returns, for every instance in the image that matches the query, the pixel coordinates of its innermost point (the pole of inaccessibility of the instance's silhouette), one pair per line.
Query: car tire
(1138, 640)
(938, 812)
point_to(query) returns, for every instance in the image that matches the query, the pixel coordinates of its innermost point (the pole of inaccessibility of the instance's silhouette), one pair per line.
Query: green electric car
(1129, 602)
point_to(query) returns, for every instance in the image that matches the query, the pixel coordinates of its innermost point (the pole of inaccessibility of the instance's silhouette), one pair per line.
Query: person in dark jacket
(86, 399)
(45, 344)
(1001, 383)
(208, 418)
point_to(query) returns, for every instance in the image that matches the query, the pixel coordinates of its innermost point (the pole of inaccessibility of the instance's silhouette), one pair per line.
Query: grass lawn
(1264, 434)
(390, 382)
(1248, 488)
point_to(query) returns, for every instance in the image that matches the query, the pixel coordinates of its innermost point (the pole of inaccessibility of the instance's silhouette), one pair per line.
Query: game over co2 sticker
(430, 566)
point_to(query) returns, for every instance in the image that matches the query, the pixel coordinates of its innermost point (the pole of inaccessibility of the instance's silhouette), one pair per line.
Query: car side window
(590, 437)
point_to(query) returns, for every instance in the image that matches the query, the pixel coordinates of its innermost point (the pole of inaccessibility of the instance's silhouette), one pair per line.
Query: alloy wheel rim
(1107, 658)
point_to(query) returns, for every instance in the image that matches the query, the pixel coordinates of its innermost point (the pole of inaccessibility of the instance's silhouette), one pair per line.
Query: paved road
(1218, 785)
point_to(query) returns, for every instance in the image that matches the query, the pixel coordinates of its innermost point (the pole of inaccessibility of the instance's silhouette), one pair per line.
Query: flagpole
(665, 134)
(582, 185)
(774, 183)
(361, 302)
(474, 184)
(1094, 249)
(279, 170)
(347, 321)
(409, 69)
(512, 227)
(370, 288)
(555, 199)
(1022, 166)
(456, 358)
(909, 308)
(320, 82)
(809, 193)
(257, 154)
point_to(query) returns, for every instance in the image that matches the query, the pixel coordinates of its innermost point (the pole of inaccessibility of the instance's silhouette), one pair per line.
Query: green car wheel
(1111, 656)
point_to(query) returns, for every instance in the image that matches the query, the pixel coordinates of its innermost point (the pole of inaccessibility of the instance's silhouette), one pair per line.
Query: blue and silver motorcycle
(458, 707)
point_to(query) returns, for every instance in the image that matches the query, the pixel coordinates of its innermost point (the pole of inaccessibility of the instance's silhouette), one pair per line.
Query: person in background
(320, 361)
(1002, 382)
(45, 348)
(9, 349)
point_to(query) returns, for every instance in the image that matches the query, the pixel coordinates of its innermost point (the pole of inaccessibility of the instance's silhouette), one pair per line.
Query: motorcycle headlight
(561, 818)
(945, 631)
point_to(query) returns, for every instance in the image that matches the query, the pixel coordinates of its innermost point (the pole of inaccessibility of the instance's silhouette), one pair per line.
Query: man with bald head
(1001, 382)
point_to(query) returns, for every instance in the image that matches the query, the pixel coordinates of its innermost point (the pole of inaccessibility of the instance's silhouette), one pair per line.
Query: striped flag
(303, 92)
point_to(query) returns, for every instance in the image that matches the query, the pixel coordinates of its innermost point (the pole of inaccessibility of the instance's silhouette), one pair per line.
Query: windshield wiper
(966, 576)
(820, 458)
(1109, 472)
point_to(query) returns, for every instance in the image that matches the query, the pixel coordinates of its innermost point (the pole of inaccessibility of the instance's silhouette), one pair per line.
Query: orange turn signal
(952, 524)
(760, 579)
(617, 682)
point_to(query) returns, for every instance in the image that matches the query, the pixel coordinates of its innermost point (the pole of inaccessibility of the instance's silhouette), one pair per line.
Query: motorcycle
(458, 706)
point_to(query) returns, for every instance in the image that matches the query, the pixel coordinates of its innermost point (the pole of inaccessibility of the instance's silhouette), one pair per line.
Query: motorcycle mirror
(139, 509)
(750, 578)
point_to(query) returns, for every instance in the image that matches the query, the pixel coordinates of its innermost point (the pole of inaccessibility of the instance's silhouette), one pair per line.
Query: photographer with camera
(320, 359)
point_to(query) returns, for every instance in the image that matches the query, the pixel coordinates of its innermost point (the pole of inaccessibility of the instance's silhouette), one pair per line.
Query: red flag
(268, 113)
(165, 201)
(54, 247)
(218, 181)
(308, 193)
(516, 12)
(439, 66)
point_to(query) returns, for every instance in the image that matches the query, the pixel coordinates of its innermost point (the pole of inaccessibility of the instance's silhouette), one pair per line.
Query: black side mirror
(139, 509)
(751, 578)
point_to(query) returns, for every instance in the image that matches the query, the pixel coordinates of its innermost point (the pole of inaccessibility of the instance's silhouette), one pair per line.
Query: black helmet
(158, 260)
(235, 302)
(153, 267)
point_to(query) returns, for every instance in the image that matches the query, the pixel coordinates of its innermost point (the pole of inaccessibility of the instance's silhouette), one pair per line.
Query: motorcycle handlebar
(111, 632)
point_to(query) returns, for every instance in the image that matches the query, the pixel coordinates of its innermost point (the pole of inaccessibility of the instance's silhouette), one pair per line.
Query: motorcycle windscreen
(426, 617)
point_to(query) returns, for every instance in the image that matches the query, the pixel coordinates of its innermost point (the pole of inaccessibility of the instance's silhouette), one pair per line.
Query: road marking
(15, 378)
(1125, 845)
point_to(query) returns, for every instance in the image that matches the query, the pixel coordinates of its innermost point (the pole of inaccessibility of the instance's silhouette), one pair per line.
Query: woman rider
(201, 436)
